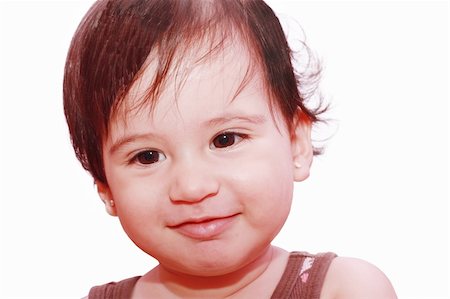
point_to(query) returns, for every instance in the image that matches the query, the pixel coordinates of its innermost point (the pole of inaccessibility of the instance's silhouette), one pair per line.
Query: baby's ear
(302, 150)
(106, 196)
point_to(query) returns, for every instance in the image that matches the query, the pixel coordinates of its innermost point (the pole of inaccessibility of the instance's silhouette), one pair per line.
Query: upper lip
(194, 220)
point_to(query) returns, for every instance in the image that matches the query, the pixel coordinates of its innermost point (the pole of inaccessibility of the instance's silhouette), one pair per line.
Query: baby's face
(204, 181)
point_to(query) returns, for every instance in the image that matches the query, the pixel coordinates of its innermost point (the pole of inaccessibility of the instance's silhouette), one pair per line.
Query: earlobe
(106, 196)
(302, 151)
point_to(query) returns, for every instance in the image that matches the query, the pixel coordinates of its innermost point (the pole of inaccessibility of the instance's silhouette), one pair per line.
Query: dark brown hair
(112, 43)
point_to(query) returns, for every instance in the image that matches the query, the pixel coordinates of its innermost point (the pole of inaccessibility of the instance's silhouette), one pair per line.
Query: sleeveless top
(302, 279)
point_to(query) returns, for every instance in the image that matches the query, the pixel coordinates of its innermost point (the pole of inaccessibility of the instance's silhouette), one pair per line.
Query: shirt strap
(304, 276)
(114, 290)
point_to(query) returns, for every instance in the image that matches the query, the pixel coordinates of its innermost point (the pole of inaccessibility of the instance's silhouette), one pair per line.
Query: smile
(206, 229)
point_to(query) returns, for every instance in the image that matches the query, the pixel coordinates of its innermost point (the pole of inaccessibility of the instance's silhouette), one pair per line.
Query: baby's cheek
(136, 205)
(265, 189)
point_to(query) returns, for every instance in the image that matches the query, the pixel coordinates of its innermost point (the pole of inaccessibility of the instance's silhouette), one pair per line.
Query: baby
(188, 115)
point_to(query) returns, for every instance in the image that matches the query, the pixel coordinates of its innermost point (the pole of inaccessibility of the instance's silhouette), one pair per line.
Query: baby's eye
(149, 157)
(226, 139)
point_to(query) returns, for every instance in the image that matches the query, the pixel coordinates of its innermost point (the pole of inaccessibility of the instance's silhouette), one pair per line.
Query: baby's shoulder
(355, 278)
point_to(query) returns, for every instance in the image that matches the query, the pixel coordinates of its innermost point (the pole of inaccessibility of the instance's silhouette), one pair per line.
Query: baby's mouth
(205, 229)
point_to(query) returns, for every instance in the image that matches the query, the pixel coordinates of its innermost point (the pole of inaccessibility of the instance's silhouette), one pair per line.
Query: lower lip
(206, 230)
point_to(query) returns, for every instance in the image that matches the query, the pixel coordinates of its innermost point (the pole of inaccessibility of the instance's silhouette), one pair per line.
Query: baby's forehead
(224, 57)
(222, 69)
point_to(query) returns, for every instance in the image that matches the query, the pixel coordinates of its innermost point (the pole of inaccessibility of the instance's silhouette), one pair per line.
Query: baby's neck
(257, 280)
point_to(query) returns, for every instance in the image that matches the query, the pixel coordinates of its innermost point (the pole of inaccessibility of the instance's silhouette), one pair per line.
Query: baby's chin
(208, 265)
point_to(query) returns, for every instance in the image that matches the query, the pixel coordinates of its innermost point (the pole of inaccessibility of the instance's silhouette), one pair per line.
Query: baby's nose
(192, 183)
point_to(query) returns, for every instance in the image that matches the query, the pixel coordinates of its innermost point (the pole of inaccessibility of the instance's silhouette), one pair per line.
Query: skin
(206, 193)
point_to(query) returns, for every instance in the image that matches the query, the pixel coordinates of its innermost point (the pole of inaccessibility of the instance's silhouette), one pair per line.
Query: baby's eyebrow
(216, 121)
(117, 144)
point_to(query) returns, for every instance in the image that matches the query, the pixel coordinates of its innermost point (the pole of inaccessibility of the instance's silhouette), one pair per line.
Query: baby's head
(189, 117)
(117, 38)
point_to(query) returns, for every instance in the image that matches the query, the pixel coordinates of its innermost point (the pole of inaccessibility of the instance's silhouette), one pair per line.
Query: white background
(379, 193)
